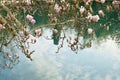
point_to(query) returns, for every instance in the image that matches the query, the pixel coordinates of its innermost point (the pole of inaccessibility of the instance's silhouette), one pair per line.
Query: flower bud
(90, 31)
(108, 8)
(102, 1)
(29, 17)
(33, 21)
(116, 4)
(82, 9)
(38, 32)
(28, 2)
(55, 31)
(95, 18)
(101, 13)
(2, 27)
(57, 8)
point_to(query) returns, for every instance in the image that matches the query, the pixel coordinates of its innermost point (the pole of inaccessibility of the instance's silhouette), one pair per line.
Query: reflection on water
(99, 62)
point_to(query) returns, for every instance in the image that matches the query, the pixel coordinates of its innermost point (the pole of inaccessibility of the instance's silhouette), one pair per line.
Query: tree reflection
(20, 21)
(56, 34)
(8, 58)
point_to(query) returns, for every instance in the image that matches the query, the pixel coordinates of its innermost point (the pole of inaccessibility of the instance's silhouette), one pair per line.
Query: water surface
(99, 62)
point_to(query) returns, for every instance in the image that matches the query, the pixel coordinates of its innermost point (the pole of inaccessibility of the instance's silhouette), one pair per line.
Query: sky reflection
(100, 62)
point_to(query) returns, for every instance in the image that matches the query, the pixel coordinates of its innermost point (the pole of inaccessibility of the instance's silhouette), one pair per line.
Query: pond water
(99, 62)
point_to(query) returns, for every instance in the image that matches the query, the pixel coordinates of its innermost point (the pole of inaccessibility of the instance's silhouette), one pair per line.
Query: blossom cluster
(28, 2)
(2, 26)
(31, 19)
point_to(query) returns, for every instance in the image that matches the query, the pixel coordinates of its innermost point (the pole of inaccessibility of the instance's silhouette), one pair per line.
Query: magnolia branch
(53, 24)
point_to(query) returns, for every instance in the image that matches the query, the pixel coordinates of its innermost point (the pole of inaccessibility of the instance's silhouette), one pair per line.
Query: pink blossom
(57, 8)
(38, 32)
(50, 17)
(33, 21)
(82, 9)
(115, 2)
(28, 2)
(86, 3)
(55, 31)
(89, 17)
(29, 17)
(95, 18)
(62, 1)
(1, 27)
(102, 1)
(101, 13)
(90, 30)
(33, 40)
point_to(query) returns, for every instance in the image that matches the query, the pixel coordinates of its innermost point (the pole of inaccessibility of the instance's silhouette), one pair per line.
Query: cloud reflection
(61, 66)
(101, 63)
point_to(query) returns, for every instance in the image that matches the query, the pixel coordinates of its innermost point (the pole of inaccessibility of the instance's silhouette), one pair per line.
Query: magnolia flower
(102, 1)
(101, 13)
(89, 17)
(28, 2)
(57, 8)
(95, 18)
(38, 32)
(108, 8)
(55, 31)
(2, 27)
(10, 58)
(62, 1)
(50, 2)
(86, 3)
(90, 30)
(89, 1)
(29, 17)
(116, 4)
(50, 17)
(31, 39)
(54, 20)
(33, 21)
(82, 9)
